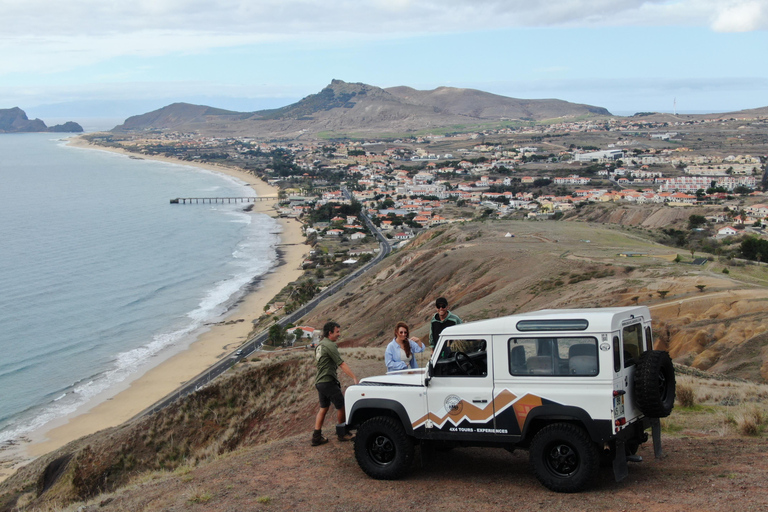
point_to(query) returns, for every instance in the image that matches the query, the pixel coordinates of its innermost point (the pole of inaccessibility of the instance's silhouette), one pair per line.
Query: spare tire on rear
(655, 384)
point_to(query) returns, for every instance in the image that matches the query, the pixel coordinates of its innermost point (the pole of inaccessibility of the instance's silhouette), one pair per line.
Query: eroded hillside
(707, 319)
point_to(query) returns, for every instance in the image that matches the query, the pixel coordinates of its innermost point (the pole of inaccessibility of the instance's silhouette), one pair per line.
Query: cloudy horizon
(114, 59)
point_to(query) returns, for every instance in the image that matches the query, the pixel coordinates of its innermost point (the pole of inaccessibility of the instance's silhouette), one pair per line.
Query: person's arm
(417, 346)
(346, 369)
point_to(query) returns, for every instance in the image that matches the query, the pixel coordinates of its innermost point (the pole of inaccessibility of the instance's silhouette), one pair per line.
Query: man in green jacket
(442, 319)
(327, 383)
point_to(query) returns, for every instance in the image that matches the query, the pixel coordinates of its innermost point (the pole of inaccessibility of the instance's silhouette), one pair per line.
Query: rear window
(566, 356)
(634, 345)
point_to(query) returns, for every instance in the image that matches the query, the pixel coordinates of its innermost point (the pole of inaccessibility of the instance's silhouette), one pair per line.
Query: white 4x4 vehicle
(574, 386)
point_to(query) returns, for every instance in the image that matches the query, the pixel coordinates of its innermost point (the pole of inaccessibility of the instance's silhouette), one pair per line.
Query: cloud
(43, 18)
(46, 38)
(741, 17)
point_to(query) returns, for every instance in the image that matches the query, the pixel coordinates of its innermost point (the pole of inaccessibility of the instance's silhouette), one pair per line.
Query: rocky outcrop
(15, 120)
(68, 127)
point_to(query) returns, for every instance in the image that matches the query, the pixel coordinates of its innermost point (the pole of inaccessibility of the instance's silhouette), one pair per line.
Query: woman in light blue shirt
(400, 353)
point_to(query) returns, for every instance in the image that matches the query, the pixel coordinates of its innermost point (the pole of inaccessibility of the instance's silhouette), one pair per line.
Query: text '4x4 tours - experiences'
(575, 387)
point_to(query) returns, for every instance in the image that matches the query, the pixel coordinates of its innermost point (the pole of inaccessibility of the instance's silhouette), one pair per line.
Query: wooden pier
(212, 200)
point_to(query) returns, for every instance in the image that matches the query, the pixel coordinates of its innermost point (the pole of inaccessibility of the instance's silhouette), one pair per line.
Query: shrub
(750, 421)
(195, 495)
(685, 394)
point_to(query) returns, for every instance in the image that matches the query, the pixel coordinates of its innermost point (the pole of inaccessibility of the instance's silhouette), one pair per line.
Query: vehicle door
(628, 345)
(460, 392)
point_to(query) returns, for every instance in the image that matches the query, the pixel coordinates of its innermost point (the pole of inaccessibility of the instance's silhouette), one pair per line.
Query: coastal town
(532, 172)
(712, 168)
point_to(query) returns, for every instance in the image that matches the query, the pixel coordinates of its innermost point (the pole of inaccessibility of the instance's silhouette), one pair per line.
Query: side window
(632, 336)
(553, 356)
(463, 357)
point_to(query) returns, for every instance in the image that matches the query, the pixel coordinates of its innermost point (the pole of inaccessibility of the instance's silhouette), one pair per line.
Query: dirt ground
(706, 467)
(704, 474)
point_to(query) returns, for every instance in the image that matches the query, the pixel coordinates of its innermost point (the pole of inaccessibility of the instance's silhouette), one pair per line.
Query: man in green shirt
(440, 320)
(327, 383)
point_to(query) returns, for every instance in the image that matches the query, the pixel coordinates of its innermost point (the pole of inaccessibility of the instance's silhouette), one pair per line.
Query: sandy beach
(212, 345)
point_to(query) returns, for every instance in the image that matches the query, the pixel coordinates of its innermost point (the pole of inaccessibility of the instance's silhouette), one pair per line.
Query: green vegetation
(755, 249)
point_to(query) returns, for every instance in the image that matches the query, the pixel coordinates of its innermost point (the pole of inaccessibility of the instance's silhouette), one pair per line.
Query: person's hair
(329, 327)
(407, 347)
(441, 301)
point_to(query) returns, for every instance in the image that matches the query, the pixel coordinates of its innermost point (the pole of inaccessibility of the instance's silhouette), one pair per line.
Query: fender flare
(598, 430)
(381, 404)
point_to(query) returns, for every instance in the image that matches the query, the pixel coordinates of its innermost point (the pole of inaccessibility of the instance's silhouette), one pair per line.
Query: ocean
(100, 275)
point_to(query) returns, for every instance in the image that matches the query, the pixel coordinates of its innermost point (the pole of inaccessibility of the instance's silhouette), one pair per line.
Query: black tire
(563, 457)
(655, 384)
(382, 448)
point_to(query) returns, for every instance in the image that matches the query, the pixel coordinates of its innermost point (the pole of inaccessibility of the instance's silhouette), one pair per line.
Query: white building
(599, 156)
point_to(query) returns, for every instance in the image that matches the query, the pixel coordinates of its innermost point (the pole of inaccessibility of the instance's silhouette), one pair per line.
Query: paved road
(255, 343)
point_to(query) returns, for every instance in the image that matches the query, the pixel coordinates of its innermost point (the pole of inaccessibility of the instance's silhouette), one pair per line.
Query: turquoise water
(100, 275)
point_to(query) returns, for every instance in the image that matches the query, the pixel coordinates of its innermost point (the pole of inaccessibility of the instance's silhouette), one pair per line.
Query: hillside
(344, 108)
(242, 443)
(176, 116)
(483, 105)
(485, 274)
(15, 120)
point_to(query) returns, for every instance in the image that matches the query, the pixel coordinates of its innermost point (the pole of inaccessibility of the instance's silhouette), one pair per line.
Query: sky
(77, 59)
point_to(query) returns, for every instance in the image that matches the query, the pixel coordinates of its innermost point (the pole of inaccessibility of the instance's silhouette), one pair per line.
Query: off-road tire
(382, 448)
(655, 384)
(563, 457)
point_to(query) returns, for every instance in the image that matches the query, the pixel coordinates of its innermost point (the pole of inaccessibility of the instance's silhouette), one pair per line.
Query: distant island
(15, 120)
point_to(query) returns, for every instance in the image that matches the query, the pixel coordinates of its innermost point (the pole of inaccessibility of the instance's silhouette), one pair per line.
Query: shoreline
(210, 344)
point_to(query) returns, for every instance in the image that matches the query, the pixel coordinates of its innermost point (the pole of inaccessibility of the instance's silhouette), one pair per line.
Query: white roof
(600, 320)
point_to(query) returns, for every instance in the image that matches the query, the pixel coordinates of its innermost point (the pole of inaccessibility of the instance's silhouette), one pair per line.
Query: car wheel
(563, 457)
(655, 384)
(382, 448)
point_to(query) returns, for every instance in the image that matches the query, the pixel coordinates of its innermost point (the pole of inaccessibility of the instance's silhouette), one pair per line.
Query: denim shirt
(392, 356)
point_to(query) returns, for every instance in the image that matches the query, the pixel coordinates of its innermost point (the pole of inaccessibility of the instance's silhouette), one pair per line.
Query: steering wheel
(465, 363)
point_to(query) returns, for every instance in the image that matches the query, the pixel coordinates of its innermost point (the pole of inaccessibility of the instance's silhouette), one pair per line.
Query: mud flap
(620, 469)
(656, 433)
(341, 429)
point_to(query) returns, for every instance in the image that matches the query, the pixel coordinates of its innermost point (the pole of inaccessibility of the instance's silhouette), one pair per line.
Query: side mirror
(430, 373)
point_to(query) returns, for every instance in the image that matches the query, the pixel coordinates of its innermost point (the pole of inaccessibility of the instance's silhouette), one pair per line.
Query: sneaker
(346, 437)
(318, 440)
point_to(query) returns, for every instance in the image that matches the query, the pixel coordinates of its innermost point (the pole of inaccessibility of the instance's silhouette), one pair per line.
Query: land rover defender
(575, 387)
